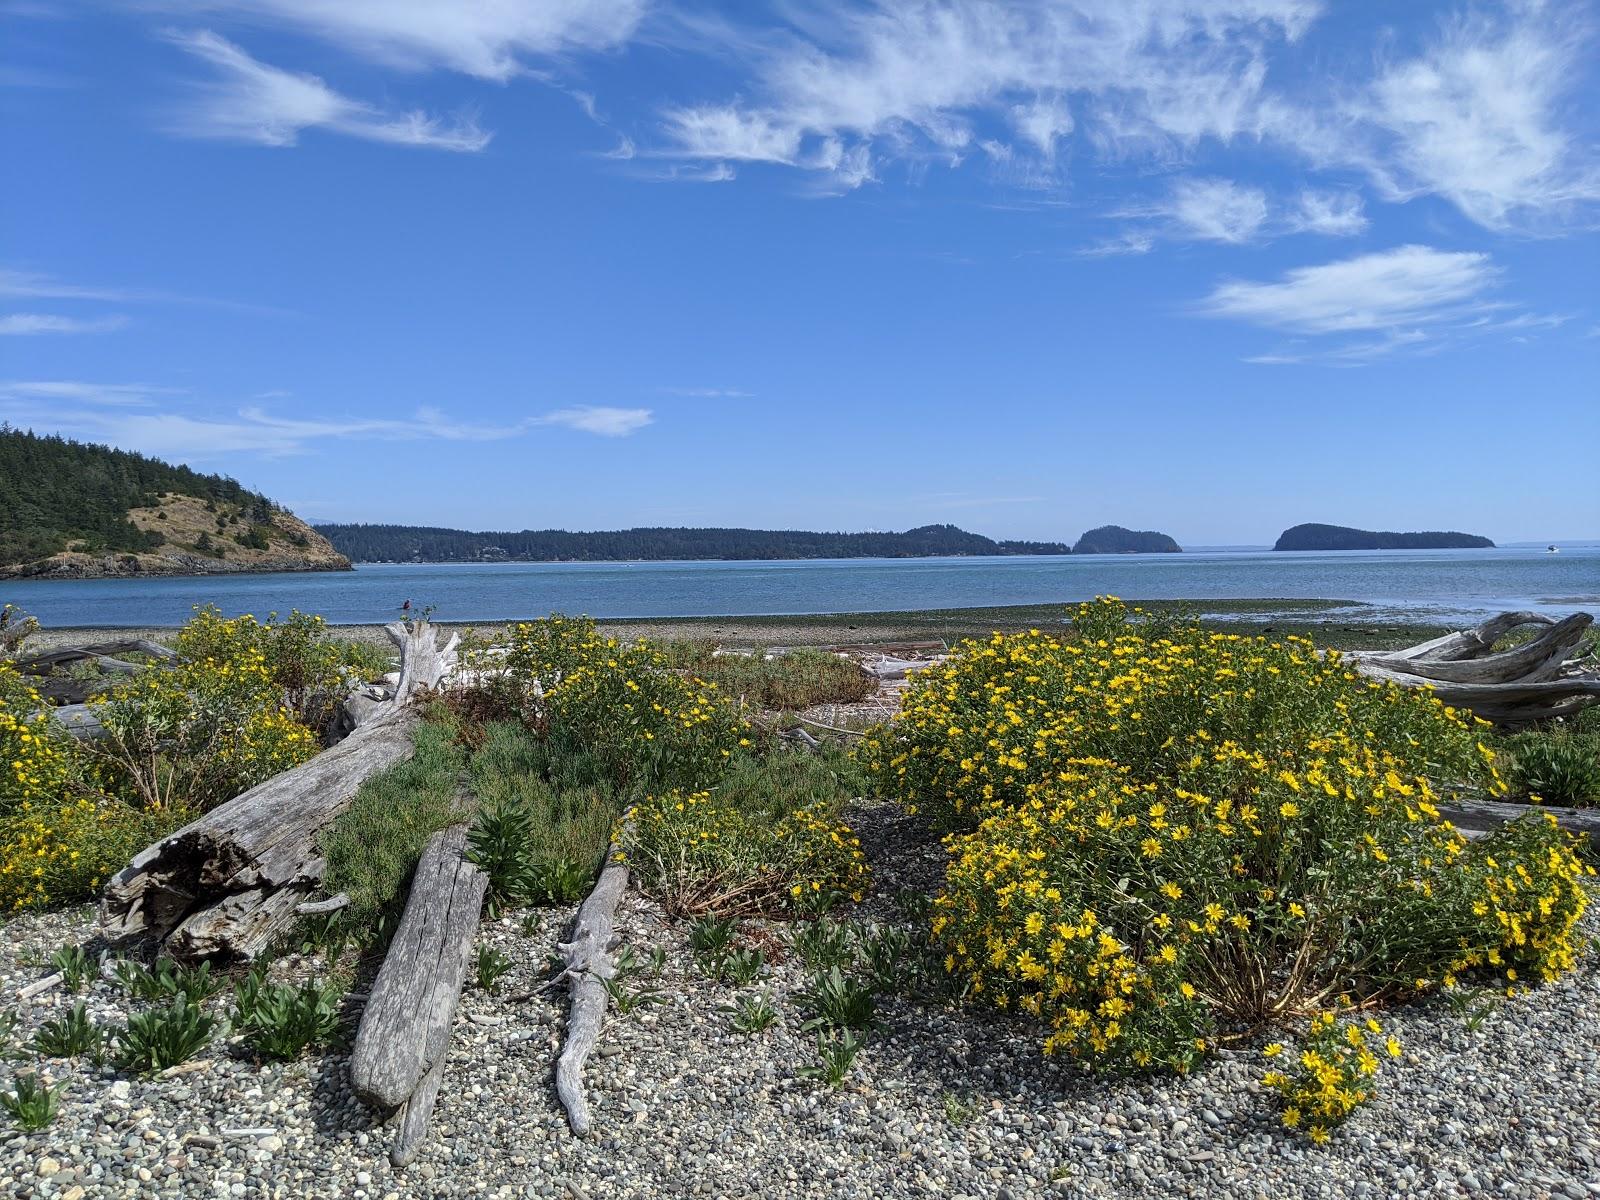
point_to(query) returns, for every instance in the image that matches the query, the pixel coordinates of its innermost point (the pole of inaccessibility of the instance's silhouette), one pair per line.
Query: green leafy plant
(31, 1104)
(164, 1037)
(165, 979)
(559, 880)
(958, 1110)
(281, 1021)
(836, 1054)
(1473, 1005)
(68, 1035)
(741, 966)
(1558, 768)
(499, 841)
(491, 967)
(710, 940)
(74, 965)
(887, 954)
(837, 1001)
(823, 943)
(752, 1014)
(629, 999)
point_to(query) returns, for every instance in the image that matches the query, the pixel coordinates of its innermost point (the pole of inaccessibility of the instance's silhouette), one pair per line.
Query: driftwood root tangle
(229, 883)
(1536, 681)
(589, 963)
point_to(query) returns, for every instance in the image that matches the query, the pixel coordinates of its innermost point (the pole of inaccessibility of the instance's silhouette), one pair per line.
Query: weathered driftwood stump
(1536, 681)
(589, 963)
(399, 1052)
(226, 885)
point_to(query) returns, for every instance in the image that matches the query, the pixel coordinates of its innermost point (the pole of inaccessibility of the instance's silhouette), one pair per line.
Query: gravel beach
(944, 1101)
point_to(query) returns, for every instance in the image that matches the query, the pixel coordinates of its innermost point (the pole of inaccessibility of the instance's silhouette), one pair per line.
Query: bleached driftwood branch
(589, 963)
(227, 884)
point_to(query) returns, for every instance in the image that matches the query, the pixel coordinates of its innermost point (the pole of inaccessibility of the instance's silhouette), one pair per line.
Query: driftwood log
(1536, 681)
(66, 689)
(589, 963)
(227, 884)
(399, 1052)
(1474, 817)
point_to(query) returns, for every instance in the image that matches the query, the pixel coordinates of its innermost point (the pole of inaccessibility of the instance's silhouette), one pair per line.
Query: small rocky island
(1114, 539)
(1342, 537)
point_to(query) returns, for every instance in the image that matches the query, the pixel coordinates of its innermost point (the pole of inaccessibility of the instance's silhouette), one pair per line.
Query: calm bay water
(1443, 584)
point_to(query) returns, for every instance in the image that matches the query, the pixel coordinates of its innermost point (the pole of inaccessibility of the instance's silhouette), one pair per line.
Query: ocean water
(1423, 585)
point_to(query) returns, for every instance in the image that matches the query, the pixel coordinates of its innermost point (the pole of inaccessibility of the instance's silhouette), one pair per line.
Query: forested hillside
(404, 543)
(54, 491)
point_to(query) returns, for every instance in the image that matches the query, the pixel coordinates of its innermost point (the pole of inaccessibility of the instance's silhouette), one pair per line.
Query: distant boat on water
(1552, 550)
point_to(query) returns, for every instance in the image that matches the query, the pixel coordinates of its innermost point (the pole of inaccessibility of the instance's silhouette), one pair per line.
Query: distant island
(1114, 539)
(70, 510)
(1340, 537)
(416, 543)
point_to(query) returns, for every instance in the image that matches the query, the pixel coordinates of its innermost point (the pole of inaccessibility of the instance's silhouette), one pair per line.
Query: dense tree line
(54, 491)
(405, 543)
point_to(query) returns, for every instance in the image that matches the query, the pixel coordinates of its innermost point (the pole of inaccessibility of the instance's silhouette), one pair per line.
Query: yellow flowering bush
(34, 757)
(1161, 833)
(641, 724)
(63, 848)
(312, 671)
(706, 853)
(198, 734)
(1334, 1073)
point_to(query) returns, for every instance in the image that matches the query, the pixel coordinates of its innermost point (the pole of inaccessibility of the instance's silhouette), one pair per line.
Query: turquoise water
(1423, 585)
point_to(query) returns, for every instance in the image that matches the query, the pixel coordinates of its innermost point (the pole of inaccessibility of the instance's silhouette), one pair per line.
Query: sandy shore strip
(1343, 623)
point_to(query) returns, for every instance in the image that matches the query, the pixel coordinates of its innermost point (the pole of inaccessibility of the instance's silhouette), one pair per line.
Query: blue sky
(1212, 267)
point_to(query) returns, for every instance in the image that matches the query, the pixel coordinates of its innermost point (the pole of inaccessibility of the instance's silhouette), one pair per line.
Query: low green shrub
(31, 1104)
(794, 679)
(68, 1035)
(74, 966)
(164, 1037)
(836, 1054)
(490, 967)
(281, 1021)
(700, 852)
(373, 846)
(1556, 768)
(165, 980)
(837, 1001)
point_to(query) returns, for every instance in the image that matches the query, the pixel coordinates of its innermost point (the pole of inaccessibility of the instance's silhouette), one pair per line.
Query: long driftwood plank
(589, 964)
(1480, 816)
(229, 882)
(406, 1024)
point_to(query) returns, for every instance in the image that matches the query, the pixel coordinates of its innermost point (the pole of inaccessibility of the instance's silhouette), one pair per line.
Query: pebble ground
(943, 1101)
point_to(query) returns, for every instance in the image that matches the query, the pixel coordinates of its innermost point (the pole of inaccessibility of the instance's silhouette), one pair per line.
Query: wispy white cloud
(29, 324)
(912, 78)
(1330, 213)
(484, 38)
(1487, 114)
(113, 394)
(1406, 285)
(709, 393)
(251, 101)
(1483, 116)
(601, 420)
(1197, 209)
(35, 285)
(126, 415)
